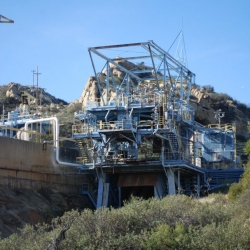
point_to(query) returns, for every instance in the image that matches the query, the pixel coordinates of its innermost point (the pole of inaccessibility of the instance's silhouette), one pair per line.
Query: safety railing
(80, 160)
(146, 124)
(114, 125)
(145, 99)
(225, 127)
(216, 165)
(80, 129)
(19, 134)
(122, 100)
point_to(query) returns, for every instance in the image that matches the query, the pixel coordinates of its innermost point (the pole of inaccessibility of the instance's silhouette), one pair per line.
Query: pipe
(55, 138)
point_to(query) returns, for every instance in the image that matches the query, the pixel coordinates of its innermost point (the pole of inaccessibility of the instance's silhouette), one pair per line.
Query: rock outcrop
(14, 91)
(203, 101)
(90, 91)
(205, 105)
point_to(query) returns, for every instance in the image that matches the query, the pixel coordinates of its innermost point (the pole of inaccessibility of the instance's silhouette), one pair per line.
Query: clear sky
(55, 35)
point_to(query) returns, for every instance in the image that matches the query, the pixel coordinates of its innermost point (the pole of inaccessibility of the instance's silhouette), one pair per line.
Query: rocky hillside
(203, 98)
(19, 207)
(205, 102)
(10, 96)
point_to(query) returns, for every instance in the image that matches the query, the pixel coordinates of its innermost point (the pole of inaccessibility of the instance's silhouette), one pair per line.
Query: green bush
(164, 237)
(237, 189)
(176, 222)
(233, 234)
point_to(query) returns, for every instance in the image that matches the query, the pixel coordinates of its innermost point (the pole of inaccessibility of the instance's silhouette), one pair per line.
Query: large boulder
(14, 91)
(90, 91)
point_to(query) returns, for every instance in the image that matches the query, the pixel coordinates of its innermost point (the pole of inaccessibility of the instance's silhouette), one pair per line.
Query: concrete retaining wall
(31, 165)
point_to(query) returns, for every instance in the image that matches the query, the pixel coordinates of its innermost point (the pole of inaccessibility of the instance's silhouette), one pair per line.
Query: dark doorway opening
(144, 192)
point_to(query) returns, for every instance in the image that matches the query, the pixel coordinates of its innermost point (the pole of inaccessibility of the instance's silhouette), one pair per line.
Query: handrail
(227, 126)
(114, 125)
(145, 123)
(146, 99)
(80, 160)
(80, 129)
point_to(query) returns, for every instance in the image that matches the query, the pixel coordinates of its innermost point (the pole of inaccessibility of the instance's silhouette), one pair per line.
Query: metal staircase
(174, 144)
(85, 147)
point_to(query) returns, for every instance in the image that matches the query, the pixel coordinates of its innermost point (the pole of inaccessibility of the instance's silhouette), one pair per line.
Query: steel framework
(4, 19)
(142, 127)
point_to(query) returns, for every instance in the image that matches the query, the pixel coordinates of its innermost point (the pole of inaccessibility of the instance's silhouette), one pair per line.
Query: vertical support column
(105, 195)
(181, 87)
(127, 85)
(179, 182)
(156, 193)
(138, 139)
(32, 128)
(120, 196)
(101, 181)
(171, 182)
(195, 146)
(159, 188)
(41, 131)
(162, 152)
(198, 185)
(107, 85)
(96, 75)
(164, 70)
(55, 128)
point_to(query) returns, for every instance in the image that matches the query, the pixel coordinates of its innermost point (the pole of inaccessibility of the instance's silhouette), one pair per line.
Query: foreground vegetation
(177, 222)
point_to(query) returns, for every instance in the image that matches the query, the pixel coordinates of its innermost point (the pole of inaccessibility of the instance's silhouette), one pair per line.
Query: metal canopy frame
(160, 67)
(4, 19)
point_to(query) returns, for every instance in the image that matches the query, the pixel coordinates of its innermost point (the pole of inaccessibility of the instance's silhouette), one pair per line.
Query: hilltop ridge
(204, 100)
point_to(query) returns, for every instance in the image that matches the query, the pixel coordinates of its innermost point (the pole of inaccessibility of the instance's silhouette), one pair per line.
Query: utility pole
(37, 84)
(4, 19)
(219, 114)
(33, 73)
